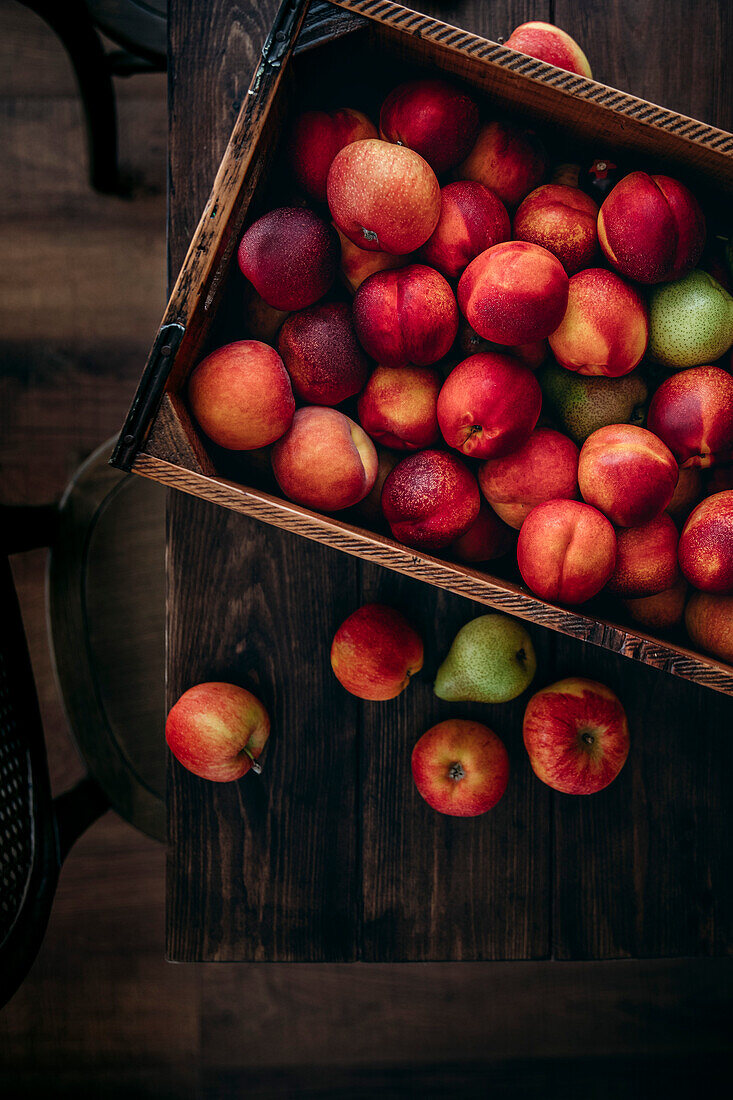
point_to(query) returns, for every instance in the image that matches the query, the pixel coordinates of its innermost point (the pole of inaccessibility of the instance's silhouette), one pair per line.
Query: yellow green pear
(492, 660)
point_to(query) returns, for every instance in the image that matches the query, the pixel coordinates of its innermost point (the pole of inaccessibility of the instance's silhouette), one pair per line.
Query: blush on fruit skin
(375, 651)
(398, 408)
(472, 219)
(357, 264)
(646, 559)
(430, 499)
(548, 43)
(562, 220)
(290, 255)
(514, 293)
(709, 622)
(566, 551)
(487, 538)
(488, 405)
(545, 467)
(651, 228)
(241, 396)
(661, 611)
(322, 355)
(316, 138)
(324, 461)
(605, 329)
(436, 119)
(460, 767)
(406, 316)
(692, 412)
(210, 726)
(706, 545)
(576, 735)
(686, 495)
(383, 197)
(628, 473)
(510, 161)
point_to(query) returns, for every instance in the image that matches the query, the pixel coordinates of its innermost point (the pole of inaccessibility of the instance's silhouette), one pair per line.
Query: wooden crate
(312, 51)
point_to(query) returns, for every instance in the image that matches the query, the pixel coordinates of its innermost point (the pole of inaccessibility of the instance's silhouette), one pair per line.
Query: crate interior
(358, 70)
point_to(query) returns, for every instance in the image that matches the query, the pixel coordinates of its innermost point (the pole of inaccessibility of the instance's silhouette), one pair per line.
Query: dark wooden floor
(82, 287)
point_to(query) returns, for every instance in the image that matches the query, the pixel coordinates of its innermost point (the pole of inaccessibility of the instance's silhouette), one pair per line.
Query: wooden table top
(330, 854)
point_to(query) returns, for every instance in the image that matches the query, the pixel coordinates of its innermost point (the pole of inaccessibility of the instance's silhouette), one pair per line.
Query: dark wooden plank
(641, 868)
(437, 887)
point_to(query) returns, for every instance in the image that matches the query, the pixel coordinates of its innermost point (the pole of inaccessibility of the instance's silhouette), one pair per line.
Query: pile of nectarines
(429, 232)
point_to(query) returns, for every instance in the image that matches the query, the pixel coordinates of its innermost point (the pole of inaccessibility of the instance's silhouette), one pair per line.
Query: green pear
(690, 321)
(583, 403)
(492, 660)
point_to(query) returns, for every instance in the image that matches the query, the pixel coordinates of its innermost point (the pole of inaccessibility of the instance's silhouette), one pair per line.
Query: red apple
(383, 197)
(488, 405)
(604, 330)
(322, 355)
(566, 551)
(291, 256)
(706, 545)
(317, 137)
(430, 499)
(514, 293)
(325, 461)
(692, 412)
(487, 538)
(548, 43)
(217, 731)
(508, 160)
(436, 119)
(545, 467)
(241, 396)
(472, 219)
(460, 767)
(628, 473)
(577, 736)
(375, 652)
(561, 219)
(406, 316)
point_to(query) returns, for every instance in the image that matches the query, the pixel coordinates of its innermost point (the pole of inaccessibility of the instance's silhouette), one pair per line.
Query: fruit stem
(588, 738)
(456, 772)
(256, 766)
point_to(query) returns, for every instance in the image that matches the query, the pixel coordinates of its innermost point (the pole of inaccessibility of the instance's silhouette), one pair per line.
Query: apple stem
(256, 766)
(456, 772)
(588, 738)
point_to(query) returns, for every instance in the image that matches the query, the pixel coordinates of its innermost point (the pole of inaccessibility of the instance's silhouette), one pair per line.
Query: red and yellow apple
(472, 219)
(692, 412)
(561, 219)
(709, 622)
(406, 316)
(487, 538)
(566, 551)
(322, 355)
(324, 461)
(217, 731)
(628, 473)
(375, 651)
(514, 293)
(316, 138)
(548, 43)
(651, 228)
(460, 767)
(433, 117)
(576, 735)
(510, 161)
(646, 558)
(241, 396)
(545, 467)
(398, 408)
(488, 405)
(290, 256)
(604, 330)
(430, 499)
(706, 545)
(383, 197)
